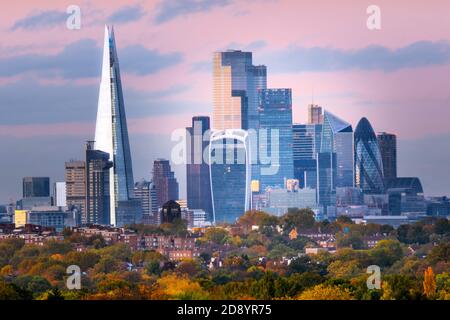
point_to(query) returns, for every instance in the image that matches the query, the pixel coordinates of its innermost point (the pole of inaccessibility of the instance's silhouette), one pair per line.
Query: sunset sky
(398, 77)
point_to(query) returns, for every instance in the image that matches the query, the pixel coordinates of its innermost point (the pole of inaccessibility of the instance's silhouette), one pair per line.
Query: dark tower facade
(165, 182)
(197, 170)
(36, 187)
(388, 148)
(97, 186)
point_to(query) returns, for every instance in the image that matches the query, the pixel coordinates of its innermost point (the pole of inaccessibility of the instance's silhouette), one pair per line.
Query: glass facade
(337, 137)
(36, 187)
(166, 184)
(306, 141)
(197, 170)
(368, 163)
(326, 177)
(230, 174)
(111, 133)
(275, 116)
(235, 90)
(97, 187)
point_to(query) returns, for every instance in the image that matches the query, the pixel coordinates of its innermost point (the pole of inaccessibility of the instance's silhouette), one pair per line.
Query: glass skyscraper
(230, 174)
(275, 117)
(36, 187)
(315, 115)
(306, 141)
(97, 186)
(111, 133)
(337, 137)
(368, 162)
(326, 177)
(166, 184)
(236, 85)
(197, 169)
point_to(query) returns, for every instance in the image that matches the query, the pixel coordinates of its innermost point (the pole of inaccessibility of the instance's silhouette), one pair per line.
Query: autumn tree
(298, 218)
(429, 283)
(326, 292)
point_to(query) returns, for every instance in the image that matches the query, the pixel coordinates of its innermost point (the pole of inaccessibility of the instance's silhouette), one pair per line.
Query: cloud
(141, 61)
(255, 45)
(126, 14)
(170, 9)
(44, 19)
(82, 59)
(27, 102)
(324, 59)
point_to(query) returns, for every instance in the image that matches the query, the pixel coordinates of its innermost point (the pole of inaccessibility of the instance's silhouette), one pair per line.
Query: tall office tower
(275, 118)
(230, 173)
(387, 143)
(197, 170)
(306, 140)
(236, 85)
(76, 185)
(36, 187)
(315, 115)
(146, 192)
(59, 194)
(111, 133)
(97, 186)
(337, 137)
(326, 177)
(165, 182)
(368, 162)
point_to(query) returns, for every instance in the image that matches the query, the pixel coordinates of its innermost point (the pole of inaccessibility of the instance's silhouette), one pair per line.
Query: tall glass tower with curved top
(230, 174)
(368, 161)
(111, 135)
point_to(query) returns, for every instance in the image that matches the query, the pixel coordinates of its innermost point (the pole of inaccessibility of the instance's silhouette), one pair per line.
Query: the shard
(111, 136)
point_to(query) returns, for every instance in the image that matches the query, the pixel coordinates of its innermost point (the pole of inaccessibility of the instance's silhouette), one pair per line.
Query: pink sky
(328, 24)
(413, 102)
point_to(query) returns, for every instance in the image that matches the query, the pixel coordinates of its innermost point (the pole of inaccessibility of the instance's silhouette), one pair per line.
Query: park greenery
(259, 260)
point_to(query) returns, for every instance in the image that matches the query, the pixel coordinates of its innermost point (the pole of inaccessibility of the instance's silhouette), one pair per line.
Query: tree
(175, 287)
(281, 250)
(439, 253)
(264, 288)
(216, 235)
(441, 226)
(344, 220)
(398, 287)
(257, 218)
(352, 240)
(344, 269)
(298, 218)
(8, 292)
(443, 286)
(326, 292)
(84, 260)
(386, 252)
(429, 283)
(188, 267)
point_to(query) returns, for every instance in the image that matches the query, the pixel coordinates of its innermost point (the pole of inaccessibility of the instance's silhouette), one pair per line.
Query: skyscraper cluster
(250, 155)
(256, 154)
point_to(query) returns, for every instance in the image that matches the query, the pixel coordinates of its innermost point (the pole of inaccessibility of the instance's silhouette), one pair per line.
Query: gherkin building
(368, 162)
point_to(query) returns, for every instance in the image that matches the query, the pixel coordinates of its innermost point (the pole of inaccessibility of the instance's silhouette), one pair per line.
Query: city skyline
(65, 130)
